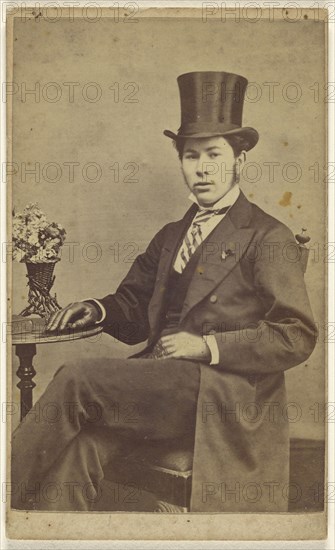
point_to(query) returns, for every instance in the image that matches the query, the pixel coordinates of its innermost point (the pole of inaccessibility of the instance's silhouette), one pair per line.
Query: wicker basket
(42, 274)
(40, 280)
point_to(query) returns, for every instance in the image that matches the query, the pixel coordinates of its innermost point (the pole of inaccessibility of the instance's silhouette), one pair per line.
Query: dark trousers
(92, 412)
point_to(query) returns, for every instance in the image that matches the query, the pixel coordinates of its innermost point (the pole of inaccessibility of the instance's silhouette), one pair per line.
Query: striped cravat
(193, 240)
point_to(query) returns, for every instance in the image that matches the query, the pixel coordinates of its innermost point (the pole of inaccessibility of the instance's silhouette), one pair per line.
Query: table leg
(26, 373)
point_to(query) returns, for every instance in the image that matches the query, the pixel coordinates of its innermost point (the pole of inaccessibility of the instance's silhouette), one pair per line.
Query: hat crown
(212, 105)
(211, 101)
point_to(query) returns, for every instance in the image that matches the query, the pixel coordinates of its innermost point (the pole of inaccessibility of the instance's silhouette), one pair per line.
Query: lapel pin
(226, 253)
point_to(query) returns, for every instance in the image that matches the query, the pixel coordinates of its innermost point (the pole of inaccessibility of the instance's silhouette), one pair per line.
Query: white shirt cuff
(213, 348)
(100, 307)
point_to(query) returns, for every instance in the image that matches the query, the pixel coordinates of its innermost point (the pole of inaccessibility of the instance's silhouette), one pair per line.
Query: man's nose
(202, 168)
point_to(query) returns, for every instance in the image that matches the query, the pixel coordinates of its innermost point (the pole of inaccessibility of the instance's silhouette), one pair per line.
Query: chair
(166, 470)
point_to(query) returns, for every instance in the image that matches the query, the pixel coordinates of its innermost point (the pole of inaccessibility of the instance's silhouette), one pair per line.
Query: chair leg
(165, 507)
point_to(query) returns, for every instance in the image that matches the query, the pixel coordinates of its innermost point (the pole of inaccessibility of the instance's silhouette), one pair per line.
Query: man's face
(208, 166)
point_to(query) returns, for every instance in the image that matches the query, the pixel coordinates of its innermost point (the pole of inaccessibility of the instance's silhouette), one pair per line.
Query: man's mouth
(201, 184)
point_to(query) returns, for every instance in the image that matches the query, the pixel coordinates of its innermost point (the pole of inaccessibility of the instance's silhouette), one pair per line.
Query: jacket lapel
(172, 242)
(220, 253)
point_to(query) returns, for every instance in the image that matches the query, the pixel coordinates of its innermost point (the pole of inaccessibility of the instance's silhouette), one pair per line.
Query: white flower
(34, 238)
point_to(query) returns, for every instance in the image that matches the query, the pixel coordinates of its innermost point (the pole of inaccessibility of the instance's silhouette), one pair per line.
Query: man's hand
(76, 315)
(184, 345)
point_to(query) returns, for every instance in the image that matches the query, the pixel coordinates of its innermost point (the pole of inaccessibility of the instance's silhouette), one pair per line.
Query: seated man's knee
(96, 441)
(70, 371)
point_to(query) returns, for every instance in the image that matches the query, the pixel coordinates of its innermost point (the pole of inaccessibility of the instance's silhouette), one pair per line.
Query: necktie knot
(210, 211)
(204, 214)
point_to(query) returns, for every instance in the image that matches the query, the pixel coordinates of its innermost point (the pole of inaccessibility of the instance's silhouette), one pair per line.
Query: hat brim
(246, 136)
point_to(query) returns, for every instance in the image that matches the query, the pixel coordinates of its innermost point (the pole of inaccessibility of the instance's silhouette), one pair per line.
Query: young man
(224, 311)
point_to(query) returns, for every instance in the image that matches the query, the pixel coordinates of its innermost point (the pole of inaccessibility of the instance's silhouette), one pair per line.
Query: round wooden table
(27, 332)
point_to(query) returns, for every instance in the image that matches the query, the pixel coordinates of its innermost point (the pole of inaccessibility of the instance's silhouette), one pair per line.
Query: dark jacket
(248, 290)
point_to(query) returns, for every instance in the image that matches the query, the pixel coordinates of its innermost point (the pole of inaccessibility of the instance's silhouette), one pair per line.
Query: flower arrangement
(35, 240)
(37, 243)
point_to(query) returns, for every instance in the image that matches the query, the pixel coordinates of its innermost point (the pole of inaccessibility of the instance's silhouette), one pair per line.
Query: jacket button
(213, 299)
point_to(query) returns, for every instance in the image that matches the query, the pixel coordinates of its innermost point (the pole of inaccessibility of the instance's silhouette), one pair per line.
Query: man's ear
(242, 157)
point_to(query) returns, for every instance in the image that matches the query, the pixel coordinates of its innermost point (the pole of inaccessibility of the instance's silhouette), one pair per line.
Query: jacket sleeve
(286, 335)
(127, 310)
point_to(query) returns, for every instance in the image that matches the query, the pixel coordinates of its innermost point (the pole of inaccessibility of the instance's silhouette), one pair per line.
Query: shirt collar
(227, 200)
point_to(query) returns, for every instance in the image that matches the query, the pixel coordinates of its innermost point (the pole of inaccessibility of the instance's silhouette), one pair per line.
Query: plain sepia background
(133, 68)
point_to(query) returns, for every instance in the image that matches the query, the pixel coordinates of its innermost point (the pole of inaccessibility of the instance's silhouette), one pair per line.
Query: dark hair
(237, 143)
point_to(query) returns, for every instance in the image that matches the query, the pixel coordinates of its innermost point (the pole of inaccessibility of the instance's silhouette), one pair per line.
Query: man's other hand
(75, 315)
(184, 345)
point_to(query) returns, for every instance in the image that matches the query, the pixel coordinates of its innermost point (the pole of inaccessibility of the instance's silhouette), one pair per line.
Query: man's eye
(190, 157)
(214, 155)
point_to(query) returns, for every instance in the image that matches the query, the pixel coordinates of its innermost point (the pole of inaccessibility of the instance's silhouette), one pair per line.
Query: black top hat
(212, 105)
